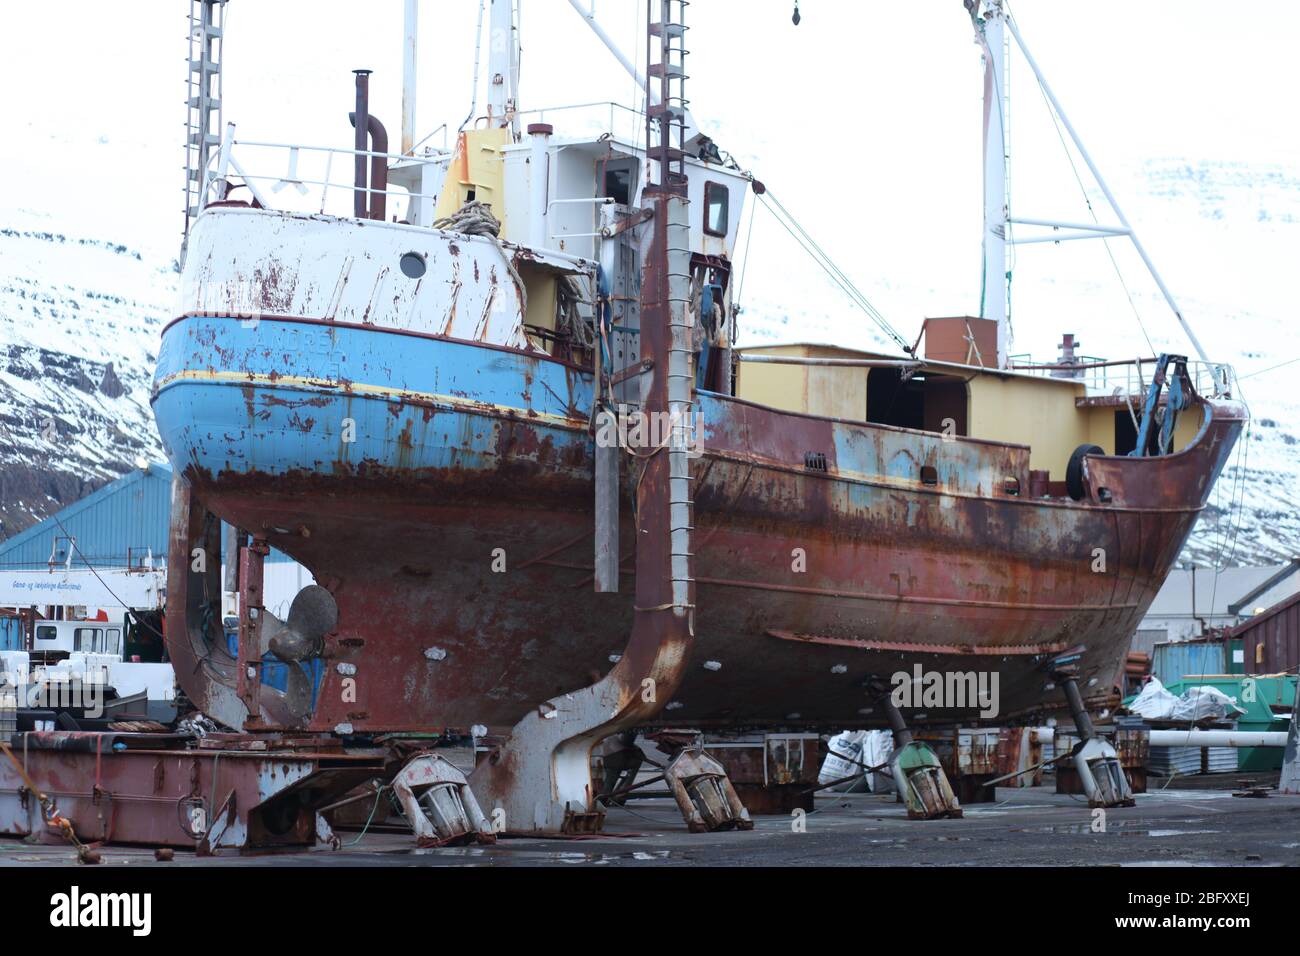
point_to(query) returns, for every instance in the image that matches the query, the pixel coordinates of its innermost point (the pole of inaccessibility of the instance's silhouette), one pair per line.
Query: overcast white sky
(864, 119)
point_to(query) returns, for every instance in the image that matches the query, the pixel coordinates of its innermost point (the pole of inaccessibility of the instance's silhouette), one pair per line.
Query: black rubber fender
(1074, 470)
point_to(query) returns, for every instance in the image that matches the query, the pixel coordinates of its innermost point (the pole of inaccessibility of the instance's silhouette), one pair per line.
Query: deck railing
(1129, 376)
(310, 179)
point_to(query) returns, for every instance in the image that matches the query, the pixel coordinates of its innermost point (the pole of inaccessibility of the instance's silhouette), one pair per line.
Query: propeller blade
(313, 614)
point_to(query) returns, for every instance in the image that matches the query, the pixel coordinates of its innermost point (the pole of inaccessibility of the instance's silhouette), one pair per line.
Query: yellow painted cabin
(1054, 416)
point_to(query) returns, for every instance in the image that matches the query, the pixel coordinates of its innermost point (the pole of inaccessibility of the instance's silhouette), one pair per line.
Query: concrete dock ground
(1192, 822)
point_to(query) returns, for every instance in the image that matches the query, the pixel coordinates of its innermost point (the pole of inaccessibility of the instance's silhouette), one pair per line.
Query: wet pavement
(1185, 826)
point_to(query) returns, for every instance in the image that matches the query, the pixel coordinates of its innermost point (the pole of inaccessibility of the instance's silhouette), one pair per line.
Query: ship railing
(317, 179)
(1129, 376)
(597, 117)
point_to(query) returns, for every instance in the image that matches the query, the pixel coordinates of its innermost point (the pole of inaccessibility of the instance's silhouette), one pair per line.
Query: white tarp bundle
(1197, 703)
(870, 747)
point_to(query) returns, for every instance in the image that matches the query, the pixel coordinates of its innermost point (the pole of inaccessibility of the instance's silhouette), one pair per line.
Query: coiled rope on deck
(475, 219)
(472, 219)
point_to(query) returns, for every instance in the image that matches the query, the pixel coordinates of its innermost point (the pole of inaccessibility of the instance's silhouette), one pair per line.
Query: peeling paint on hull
(461, 449)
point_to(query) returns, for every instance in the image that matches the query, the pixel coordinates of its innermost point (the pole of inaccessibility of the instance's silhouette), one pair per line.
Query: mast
(990, 22)
(503, 64)
(410, 42)
(994, 30)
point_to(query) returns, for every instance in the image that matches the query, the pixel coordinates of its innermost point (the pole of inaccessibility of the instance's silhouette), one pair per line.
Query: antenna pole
(995, 283)
(1110, 198)
(503, 64)
(410, 44)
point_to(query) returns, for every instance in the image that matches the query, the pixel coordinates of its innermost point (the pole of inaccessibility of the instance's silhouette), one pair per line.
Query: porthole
(413, 265)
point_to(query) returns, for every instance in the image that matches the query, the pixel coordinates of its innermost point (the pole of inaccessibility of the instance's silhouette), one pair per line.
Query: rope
(568, 318)
(475, 219)
(129, 610)
(370, 819)
(50, 812)
(472, 219)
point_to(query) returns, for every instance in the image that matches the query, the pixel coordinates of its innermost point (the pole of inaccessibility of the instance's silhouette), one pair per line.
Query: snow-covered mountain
(79, 323)
(1226, 237)
(81, 311)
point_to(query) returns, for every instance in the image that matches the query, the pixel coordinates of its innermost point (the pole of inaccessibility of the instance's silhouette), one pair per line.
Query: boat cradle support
(1095, 759)
(917, 771)
(438, 804)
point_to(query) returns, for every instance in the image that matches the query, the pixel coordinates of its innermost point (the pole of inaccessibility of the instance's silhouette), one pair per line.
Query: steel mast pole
(503, 64)
(410, 46)
(995, 283)
(1110, 198)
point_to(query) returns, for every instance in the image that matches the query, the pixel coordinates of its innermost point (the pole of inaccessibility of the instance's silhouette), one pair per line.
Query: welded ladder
(203, 100)
(667, 77)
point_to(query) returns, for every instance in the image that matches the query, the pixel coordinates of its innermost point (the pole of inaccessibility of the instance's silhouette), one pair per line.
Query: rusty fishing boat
(409, 397)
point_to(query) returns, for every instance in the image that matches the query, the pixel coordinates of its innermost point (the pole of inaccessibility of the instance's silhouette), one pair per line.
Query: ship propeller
(313, 614)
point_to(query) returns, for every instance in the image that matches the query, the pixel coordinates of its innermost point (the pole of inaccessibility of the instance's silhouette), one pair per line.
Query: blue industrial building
(121, 525)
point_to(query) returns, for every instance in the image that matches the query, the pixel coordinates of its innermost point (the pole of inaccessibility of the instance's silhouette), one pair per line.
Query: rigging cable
(1236, 500)
(1088, 202)
(744, 262)
(836, 274)
(478, 45)
(129, 610)
(1269, 369)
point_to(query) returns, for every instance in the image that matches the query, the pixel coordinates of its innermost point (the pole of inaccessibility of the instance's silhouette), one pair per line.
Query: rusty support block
(1095, 761)
(143, 789)
(772, 773)
(438, 804)
(704, 794)
(918, 775)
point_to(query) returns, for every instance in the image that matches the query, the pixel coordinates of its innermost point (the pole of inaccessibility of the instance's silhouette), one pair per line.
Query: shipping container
(1173, 660)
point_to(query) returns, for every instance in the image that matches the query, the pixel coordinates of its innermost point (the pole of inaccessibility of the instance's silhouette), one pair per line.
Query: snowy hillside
(81, 312)
(1226, 237)
(79, 322)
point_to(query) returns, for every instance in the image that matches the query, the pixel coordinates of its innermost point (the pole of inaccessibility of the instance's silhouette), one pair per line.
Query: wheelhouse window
(84, 639)
(46, 633)
(716, 208)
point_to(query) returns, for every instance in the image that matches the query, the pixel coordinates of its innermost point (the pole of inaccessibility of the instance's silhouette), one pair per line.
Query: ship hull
(442, 491)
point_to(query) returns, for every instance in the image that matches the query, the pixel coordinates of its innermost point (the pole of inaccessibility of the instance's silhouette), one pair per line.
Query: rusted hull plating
(808, 581)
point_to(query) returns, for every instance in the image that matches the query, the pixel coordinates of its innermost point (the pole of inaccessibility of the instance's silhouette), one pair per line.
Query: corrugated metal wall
(1272, 640)
(1174, 661)
(11, 634)
(130, 513)
(1146, 638)
(127, 515)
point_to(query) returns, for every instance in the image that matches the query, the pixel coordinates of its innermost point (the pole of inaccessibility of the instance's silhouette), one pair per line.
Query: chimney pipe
(539, 135)
(378, 168)
(361, 120)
